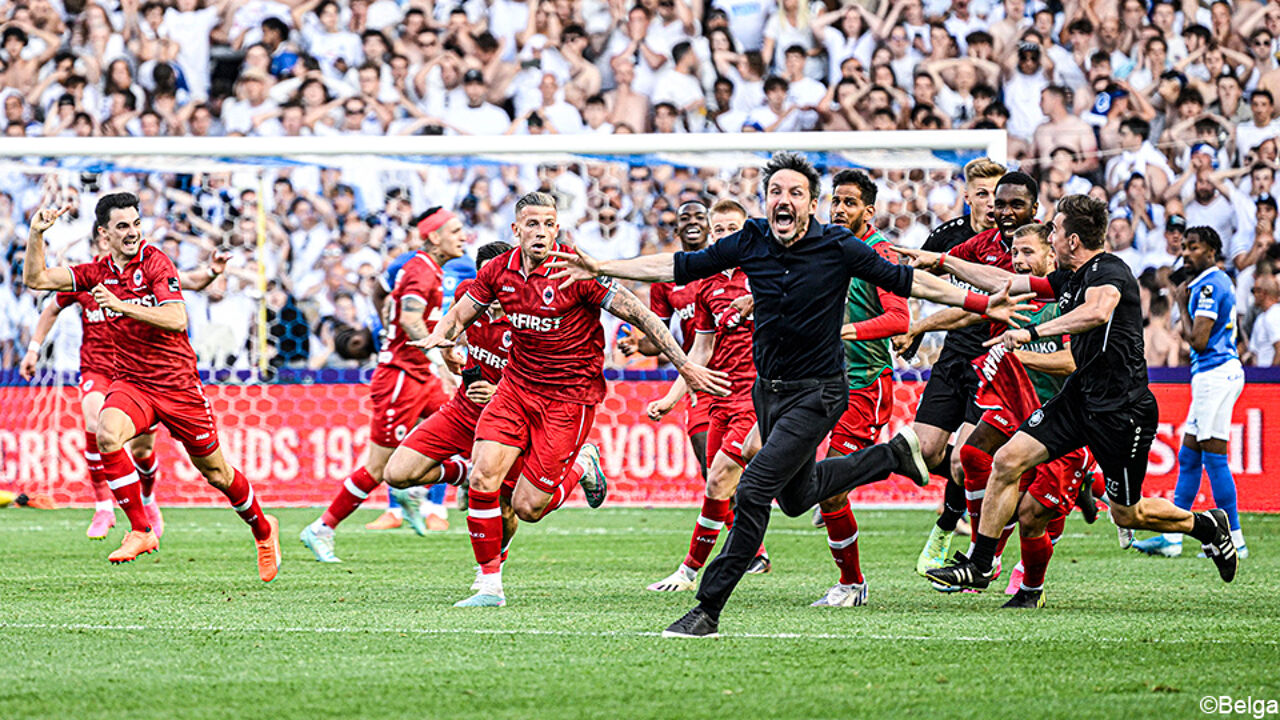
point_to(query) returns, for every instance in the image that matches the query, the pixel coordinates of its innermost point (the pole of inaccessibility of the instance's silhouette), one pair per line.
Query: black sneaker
(695, 624)
(1221, 549)
(759, 565)
(1087, 503)
(962, 575)
(1029, 599)
(906, 448)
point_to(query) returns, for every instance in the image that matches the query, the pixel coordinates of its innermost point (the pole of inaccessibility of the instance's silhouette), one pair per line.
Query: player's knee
(1033, 518)
(483, 480)
(1006, 468)
(834, 504)
(527, 510)
(396, 473)
(109, 440)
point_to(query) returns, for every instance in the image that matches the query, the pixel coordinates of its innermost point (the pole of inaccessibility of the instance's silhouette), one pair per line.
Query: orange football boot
(135, 543)
(269, 552)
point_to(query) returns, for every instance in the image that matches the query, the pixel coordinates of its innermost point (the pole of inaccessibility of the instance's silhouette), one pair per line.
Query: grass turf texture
(193, 633)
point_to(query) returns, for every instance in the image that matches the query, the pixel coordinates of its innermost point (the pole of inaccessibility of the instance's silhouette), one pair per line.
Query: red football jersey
(986, 248)
(732, 352)
(488, 341)
(421, 278)
(142, 354)
(557, 348)
(668, 300)
(96, 348)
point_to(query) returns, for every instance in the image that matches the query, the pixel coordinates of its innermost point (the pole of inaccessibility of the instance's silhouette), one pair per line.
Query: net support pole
(263, 360)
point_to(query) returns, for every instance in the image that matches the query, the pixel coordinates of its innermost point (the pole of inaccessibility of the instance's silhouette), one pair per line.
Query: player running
(949, 405)
(946, 406)
(545, 405)
(403, 389)
(1217, 379)
(95, 377)
(723, 343)
(155, 375)
(1105, 405)
(872, 316)
(668, 300)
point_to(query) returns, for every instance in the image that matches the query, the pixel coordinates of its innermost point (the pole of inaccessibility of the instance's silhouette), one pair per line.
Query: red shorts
(449, 431)
(869, 407)
(731, 422)
(1056, 483)
(185, 412)
(697, 413)
(549, 433)
(91, 381)
(399, 401)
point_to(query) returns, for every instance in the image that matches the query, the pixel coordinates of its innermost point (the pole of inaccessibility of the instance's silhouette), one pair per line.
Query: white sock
(1175, 538)
(103, 505)
(1019, 568)
(148, 499)
(1237, 538)
(318, 527)
(430, 508)
(688, 571)
(397, 511)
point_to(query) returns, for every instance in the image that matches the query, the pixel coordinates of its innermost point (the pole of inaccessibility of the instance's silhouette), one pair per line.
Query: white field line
(320, 630)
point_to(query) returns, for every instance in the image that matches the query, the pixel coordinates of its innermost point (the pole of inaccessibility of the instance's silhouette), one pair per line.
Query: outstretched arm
(986, 277)
(700, 353)
(1002, 306)
(34, 274)
(624, 304)
(1099, 303)
(27, 368)
(201, 278)
(581, 266)
(464, 312)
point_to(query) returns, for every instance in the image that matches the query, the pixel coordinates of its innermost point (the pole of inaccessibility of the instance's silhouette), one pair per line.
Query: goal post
(298, 430)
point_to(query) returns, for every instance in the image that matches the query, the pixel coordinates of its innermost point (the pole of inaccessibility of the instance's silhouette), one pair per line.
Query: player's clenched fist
(106, 298)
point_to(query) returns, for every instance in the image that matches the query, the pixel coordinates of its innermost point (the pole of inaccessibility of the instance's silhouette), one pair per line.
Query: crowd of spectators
(1167, 110)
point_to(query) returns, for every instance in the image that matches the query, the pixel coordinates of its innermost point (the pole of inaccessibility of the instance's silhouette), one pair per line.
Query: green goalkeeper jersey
(865, 360)
(1046, 385)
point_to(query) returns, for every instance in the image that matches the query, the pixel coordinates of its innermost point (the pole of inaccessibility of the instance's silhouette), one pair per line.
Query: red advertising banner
(297, 442)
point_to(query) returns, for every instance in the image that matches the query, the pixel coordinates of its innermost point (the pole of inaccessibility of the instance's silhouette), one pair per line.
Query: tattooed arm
(624, 304)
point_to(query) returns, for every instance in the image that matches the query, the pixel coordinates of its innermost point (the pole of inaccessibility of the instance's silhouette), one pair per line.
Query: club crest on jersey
(137, 277)
(548, 294)
(506, 339)
(1206, 291)
(173, 285)
(1035, 418)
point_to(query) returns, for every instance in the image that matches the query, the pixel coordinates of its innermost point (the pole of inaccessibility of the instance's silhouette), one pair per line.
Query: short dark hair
(773, 81)
(489, 251)
(1208, 236)
(276, 24)
(979, 37)
(1081, 26)
(795, 50)
(112, 201)
(1023, 179)
(1138, 126)
(1086, 218)
(1199, 31)
(1263, 92)
(680, 49)
(796, 163)
(866, 187)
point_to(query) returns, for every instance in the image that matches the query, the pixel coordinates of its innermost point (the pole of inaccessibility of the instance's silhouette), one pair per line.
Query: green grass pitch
(192, 633)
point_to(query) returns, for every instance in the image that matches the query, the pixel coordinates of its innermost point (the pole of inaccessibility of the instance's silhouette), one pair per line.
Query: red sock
(1099, 487)
(1004, 538)
(1056, 526)
(93, 462)
(977, 470)
(453, 470)
(706, 530)
(842, 537)
(1036, 552)
(354, 490)
(484, 520)
(245, 502)
(147, 468)
(122, 478)
(565, 488)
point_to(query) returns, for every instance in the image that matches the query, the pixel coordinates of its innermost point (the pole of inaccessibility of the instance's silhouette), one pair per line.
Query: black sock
(984, 552)
(943, 467)
(953, 507)
(1205, 529)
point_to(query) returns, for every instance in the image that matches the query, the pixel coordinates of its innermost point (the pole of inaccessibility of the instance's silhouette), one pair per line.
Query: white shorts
(1213, 396)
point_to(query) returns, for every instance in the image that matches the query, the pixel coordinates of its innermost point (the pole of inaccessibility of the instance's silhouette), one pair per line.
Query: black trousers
(794, 417)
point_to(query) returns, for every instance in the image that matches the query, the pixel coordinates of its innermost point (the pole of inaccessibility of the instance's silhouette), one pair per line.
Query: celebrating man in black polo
(1105, 405)
(799, 271)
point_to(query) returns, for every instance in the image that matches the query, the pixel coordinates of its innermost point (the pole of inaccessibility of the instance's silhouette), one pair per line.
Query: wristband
(33, 347)
(976, 302)
(941, 258)
(1033, 331)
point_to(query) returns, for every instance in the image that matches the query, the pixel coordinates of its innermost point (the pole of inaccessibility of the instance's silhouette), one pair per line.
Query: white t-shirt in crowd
(190, 31)
(1265, 335)
(746, 20)
(488, 119)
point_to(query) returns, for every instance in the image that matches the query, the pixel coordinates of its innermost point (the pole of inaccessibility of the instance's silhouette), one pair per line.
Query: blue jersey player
(1217, 379)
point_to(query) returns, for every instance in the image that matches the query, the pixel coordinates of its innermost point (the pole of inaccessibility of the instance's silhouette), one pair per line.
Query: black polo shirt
(799, 291)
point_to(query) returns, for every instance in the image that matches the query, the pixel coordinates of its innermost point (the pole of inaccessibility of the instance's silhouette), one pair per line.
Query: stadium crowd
(1167, 111)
